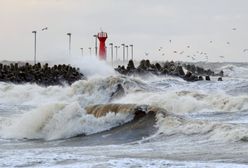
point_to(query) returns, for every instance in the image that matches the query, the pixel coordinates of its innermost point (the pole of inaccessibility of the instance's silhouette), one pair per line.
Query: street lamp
(116, 52)
(111, 44)
(82, 51)
(69, 34)
(90, 50)
(35, 32)
(131, 45)
(123, 45)
(95, 44)
(127, 51)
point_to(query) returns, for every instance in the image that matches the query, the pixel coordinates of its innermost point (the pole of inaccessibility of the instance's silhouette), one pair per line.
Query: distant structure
(102, 36)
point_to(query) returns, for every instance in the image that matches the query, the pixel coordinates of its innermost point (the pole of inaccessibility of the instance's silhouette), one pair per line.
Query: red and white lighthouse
(102, 36)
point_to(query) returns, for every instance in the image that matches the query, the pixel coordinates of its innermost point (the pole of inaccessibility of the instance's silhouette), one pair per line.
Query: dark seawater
(206, 124)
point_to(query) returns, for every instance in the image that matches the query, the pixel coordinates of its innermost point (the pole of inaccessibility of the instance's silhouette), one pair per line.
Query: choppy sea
(206, 125)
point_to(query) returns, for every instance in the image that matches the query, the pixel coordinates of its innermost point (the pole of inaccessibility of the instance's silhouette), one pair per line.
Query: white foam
(59, 111)
(90, 66)
(235, 71)
(59, 121)
(183, 101)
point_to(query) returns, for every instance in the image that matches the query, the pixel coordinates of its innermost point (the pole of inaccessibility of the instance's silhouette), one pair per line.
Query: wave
(92, 91)
(113, 121)
(235, 71)
(203, 130)
(62, 121)
(188, 101)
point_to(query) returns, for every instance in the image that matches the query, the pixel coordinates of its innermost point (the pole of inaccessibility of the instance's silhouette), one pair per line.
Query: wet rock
(42, 75)
(207, 78)
(118, 92)
(200, 78)
(130, 65)
(220, 79)
(167, 68)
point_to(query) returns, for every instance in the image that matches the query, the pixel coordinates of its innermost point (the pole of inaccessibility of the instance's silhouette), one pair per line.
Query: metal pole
(116, 52)
(69, 34)
(111, 44)
(131, 50)
(127, 52)
(123, 52)
(82, 51)
(95, 44)
(90, 50)
(34, 46)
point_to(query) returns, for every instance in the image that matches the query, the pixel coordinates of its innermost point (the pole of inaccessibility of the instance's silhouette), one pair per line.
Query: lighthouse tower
(102, 36)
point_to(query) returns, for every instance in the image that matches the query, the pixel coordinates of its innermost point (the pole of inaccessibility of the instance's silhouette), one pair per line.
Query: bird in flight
(234, 29)
(181, 52)
(221, 56)
(45, 28)
(245, 50)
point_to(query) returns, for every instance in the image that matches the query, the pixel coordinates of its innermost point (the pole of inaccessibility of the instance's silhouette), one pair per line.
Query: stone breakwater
(188, 72)
(40, 74)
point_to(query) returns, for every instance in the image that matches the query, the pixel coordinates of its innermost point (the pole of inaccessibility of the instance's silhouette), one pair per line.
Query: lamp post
(116, 52)
(35, 32)
(131, 45)
(95, 44)
(123, 45)
(90, 50)
(69, 34)
(127, 51)
(82, 51)
(111, 44)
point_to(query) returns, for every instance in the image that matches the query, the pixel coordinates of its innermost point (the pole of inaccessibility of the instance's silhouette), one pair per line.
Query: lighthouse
(102, 36)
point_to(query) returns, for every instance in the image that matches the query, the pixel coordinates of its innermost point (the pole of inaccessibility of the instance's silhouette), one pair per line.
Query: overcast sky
(205, 26)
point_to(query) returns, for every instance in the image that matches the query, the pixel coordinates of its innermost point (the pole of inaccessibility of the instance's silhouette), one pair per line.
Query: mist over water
(202, 119)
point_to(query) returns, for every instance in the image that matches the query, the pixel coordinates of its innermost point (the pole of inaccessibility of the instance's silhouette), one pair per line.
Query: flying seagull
(245, 50)
(45, 28)
(234, 28)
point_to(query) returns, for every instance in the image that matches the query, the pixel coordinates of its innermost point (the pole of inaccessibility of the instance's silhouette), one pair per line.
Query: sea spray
(59, 121)
(90, 66)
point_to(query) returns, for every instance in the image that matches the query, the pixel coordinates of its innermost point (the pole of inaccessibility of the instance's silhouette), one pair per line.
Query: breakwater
(188, 72)
(40, 74)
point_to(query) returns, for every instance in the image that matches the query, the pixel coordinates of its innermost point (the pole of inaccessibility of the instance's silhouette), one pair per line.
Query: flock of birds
(194, 56)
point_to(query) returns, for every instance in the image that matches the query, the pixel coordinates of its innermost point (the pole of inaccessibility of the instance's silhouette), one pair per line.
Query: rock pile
(39, 74)
(192, 72)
